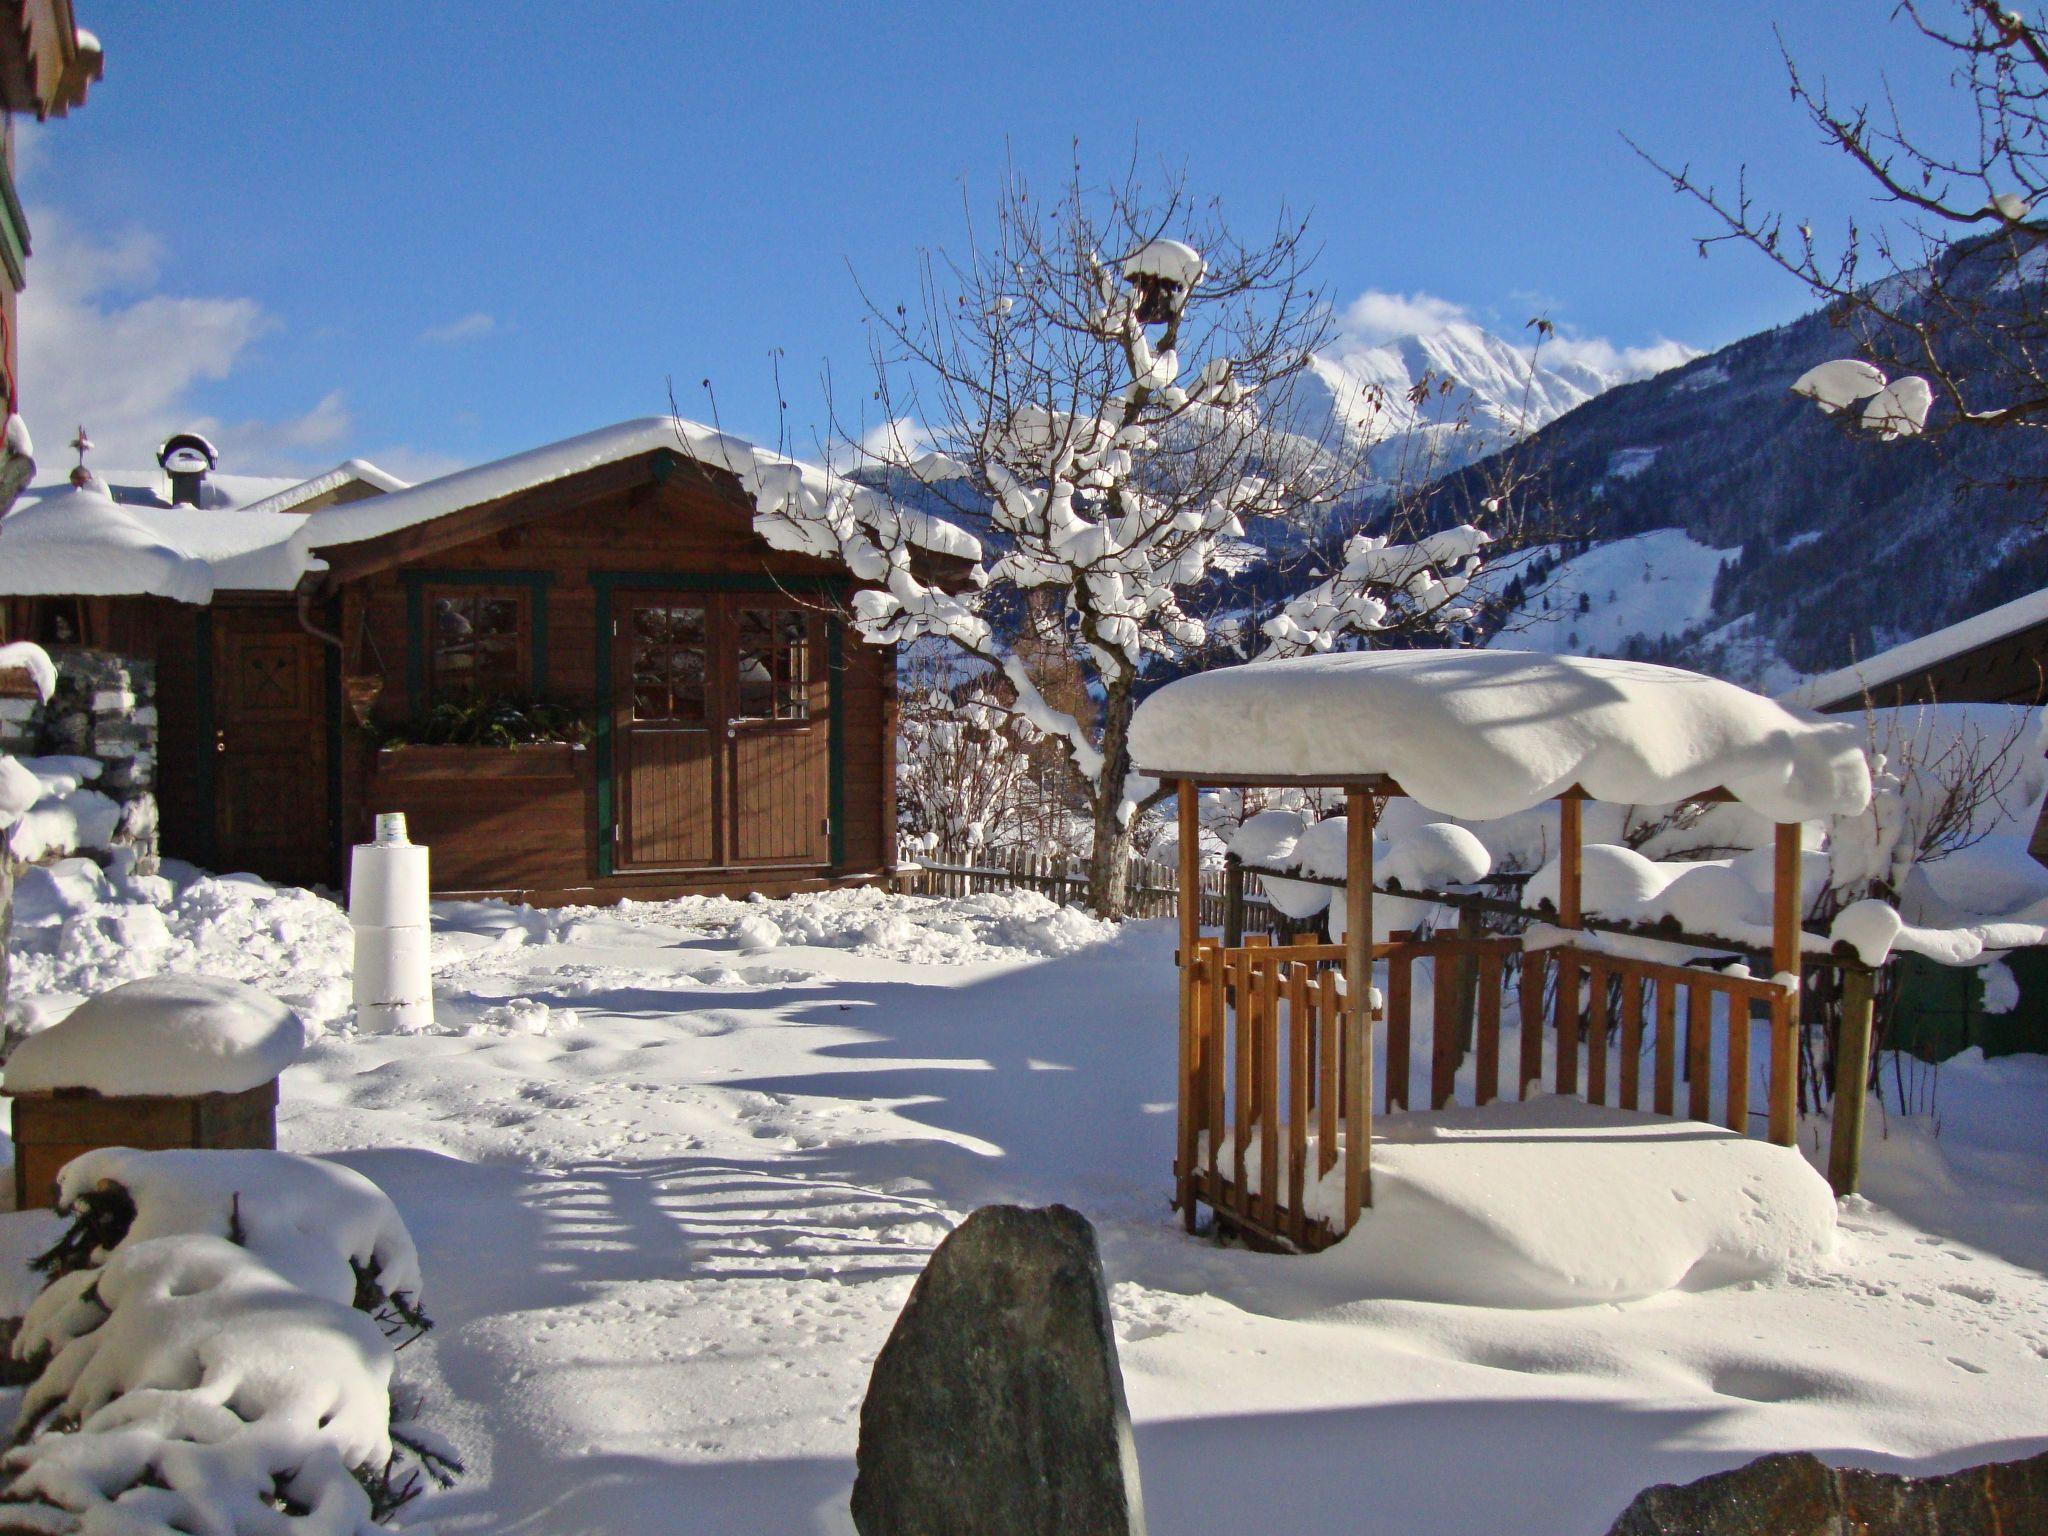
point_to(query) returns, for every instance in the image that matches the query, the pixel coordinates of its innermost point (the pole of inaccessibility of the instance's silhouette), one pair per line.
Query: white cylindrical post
(387, 905)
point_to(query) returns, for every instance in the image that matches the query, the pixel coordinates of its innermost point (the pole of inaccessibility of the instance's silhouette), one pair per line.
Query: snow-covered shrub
(962, 762)
(216, 1352)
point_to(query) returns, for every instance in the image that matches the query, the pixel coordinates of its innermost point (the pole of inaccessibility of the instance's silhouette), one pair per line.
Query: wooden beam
(1785, 881)
(1361, 810)
(1570, 840)
(1190, 878)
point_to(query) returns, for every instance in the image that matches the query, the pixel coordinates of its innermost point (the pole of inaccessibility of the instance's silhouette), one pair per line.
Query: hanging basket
(362, 690)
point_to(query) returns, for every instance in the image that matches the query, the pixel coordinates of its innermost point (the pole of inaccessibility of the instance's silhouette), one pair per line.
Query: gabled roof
(125, 539)
(773, 481)
(1902, 662)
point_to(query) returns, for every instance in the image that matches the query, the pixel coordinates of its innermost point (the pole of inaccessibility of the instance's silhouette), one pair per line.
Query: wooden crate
(50, 1129)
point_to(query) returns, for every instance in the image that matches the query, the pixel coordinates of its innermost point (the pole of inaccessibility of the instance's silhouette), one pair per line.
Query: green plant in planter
(492, 722)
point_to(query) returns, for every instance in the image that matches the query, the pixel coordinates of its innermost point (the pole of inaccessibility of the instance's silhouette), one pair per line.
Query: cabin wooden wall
(541, 842)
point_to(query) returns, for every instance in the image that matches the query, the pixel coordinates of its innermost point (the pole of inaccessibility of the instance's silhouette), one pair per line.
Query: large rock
(996, 1408)
(1800, 1495)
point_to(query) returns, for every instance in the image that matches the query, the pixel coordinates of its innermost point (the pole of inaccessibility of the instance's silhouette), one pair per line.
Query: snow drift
(1557, 1203)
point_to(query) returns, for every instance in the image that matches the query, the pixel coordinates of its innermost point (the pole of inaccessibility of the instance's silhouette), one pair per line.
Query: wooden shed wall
(540, 837)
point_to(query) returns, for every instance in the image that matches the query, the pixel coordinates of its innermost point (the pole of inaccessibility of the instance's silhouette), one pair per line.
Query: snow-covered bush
(962, 762)
(216, 1353)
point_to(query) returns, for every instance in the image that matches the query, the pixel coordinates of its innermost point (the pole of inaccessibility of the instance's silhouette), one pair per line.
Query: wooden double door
(721, 730)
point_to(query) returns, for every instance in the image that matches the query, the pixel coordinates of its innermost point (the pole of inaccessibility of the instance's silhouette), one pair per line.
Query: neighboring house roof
(1904, 662)
(62, 540)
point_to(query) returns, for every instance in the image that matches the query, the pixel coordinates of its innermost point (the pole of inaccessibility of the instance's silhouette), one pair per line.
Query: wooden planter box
(50, 1129)
(544, 760)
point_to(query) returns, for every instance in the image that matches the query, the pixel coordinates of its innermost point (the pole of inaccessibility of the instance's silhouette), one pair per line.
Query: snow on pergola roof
(1902, 661)
(1482, 734)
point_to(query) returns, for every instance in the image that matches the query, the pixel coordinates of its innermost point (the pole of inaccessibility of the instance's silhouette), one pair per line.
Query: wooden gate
(270, 792)
(1268, 1108)
(722, 724)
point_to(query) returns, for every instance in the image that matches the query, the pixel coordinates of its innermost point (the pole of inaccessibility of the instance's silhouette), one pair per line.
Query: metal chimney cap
(187, 453)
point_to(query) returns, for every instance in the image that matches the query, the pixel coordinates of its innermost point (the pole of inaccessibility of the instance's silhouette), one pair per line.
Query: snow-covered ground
(672, 1169)
(1654, 586)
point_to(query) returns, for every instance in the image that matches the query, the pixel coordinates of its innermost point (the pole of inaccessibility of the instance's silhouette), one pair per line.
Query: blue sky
(435, 234)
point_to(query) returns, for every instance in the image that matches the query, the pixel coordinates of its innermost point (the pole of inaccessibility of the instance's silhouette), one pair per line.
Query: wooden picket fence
(1154, 887)
(1269, 1108)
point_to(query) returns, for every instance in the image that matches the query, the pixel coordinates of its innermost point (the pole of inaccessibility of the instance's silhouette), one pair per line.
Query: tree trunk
(1109, 857)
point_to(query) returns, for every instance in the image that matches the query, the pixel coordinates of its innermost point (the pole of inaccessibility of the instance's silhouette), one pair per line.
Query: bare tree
(963, 765)
(1948, 281)
(1108, 380)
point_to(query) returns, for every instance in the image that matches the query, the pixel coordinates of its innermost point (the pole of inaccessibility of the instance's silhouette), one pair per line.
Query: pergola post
(1852, 1078)
(1785, 880)
(1570, 840)
(1360, 811)
(1189, 872)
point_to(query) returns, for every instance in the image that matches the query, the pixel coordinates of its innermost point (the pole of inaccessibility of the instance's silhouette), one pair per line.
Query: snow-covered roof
(1481, 734)
(1902, 661)
(770, 478)
(115, 538)
(344, 473)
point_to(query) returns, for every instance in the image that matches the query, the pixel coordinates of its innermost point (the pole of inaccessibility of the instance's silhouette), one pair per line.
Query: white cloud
(471, 327)
(1375, 318)
(98, 347)
(1598, 353)
(894, 442)
(101, 346)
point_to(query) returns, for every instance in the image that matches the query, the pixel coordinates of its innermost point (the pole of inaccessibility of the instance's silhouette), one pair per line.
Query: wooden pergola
(1306, 993)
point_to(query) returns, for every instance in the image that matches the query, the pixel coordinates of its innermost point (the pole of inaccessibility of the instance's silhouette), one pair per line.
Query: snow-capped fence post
(1785, 885)
(1362, 810)
(1233, 901)
(1852, 1078)
(1189, 869)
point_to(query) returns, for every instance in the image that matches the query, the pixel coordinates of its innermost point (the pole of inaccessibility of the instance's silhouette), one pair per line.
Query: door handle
(732, 730)
(220, 741)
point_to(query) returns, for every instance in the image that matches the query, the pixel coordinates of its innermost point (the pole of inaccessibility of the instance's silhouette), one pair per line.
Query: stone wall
(104, 708)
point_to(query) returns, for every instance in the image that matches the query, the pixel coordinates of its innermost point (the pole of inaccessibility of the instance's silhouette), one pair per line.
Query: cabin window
(775, 664)
(55, 621)
(476, 643)
(671, 653)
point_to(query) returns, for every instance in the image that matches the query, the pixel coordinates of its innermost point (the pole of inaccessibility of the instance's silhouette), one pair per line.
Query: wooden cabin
(735, 736)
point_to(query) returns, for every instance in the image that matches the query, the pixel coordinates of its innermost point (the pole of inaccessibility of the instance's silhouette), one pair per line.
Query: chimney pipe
(187, 458)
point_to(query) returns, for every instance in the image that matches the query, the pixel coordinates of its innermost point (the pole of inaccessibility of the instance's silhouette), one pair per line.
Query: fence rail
(1269, 1113)
(1153, 887)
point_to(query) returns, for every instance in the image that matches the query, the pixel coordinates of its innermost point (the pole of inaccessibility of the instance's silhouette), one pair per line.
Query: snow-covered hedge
(216, 1353)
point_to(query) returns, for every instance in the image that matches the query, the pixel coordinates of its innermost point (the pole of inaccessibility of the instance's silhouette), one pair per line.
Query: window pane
(669, 665)
(757, 655)
(793, 699)
(476, 644)
(686, 665)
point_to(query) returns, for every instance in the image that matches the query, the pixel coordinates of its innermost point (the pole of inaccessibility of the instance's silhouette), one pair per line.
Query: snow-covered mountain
(1483, 391)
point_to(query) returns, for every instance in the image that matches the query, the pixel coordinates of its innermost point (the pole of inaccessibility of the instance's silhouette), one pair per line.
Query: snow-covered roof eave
(770, 479)
(1484, 734)
(1902, 661)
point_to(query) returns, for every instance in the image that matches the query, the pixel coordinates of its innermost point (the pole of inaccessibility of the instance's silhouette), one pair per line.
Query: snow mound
(868, 921)
(1557, 1203)
(162, 1034)
(1479, 734)
(77, 932)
